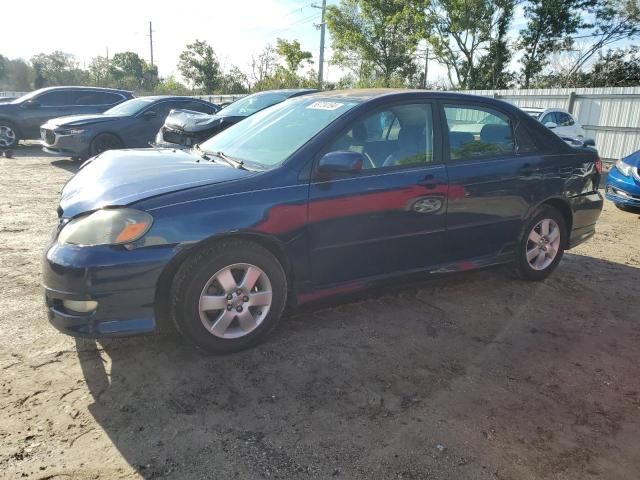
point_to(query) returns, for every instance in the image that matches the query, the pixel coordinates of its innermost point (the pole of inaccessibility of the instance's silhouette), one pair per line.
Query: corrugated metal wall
(610, 115)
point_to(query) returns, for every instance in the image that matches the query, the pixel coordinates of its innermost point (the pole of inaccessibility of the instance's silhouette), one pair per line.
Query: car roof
(362, 95)
(79, 87)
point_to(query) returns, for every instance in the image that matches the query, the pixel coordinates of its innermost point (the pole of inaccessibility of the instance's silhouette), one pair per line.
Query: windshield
(251, 104)
(269, 137)
(534, 113)
(130, 107)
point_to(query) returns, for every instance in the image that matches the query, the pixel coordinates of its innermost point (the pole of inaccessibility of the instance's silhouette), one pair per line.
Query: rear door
(390, 217)
(495, 173)
(96, 101)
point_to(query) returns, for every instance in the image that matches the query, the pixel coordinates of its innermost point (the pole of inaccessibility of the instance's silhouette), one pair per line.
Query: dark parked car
(20, 119)
(130, 124)
(182, 129)
(319, 195)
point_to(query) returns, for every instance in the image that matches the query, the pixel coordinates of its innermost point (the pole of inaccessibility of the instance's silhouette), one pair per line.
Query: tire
(103, 142)
(627, 208)
(9, 135)
(533, 258)
(237, 324)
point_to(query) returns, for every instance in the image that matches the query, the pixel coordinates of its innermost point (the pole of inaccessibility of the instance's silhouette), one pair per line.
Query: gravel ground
(473, 376)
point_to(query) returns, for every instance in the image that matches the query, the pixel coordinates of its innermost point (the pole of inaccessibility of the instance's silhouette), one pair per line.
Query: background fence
(611, 116)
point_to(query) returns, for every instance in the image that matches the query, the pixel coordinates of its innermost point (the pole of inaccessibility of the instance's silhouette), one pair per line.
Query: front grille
(48, 136)
(171, 136)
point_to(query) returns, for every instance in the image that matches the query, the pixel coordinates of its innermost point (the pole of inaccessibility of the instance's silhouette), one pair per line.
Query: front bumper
(586, 211)
(65, 145)
(622, 190)
(122, 281)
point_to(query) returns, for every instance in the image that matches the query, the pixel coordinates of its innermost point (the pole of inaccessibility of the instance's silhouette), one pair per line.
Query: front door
(390, 217)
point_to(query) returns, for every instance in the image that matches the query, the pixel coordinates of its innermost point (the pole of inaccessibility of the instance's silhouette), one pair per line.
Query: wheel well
(564, 208)
(163, 286)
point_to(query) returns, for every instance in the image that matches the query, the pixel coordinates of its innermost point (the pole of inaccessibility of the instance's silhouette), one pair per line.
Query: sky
(237, 29)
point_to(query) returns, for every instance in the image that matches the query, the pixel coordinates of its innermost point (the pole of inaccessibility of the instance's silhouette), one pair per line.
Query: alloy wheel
(235, 300)
(543, 244)
(7, 136)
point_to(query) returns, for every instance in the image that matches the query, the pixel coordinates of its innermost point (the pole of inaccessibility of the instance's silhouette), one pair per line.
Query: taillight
(599, 165)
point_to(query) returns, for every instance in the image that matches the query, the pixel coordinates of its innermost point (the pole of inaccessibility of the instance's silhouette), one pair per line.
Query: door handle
(429, 182)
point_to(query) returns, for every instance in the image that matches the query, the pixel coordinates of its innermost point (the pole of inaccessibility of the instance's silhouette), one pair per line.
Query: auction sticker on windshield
(325, 105)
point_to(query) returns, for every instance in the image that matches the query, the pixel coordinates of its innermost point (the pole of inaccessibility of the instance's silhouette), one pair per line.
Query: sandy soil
(474, 376)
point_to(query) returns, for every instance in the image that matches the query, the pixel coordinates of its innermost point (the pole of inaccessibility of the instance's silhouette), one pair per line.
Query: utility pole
(322, 27)
(426, 67)
(151, 42)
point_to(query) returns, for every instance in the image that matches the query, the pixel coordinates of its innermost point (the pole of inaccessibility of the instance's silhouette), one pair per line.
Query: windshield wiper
(230, 161)
(201, 152)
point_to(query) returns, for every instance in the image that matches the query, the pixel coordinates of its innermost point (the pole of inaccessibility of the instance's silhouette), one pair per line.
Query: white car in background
(560, 121)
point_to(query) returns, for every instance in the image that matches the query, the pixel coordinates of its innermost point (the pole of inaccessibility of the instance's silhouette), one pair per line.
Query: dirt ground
(474, 376)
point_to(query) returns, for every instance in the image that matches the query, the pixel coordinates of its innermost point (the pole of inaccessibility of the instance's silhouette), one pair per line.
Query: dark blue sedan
(319, 195)
(131, 124)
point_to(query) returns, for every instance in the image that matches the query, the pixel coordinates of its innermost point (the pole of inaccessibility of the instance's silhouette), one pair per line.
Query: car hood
(122, 177)
(192, 122)
(81, 120)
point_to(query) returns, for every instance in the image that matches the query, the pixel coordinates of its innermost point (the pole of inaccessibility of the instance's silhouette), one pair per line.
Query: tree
(461, 31)
(99, 72)
(263, 64)
(492, 70)
(549, 26)
(614, 20)
(57, 68)
(292, 54)
(235, 81)
(376, 38)
(171, 86)
(199, 65)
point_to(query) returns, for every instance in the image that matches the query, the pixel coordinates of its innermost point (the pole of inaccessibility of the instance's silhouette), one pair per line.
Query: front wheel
(8, 135)
(541, 245)
(229, 296)
(104, 142)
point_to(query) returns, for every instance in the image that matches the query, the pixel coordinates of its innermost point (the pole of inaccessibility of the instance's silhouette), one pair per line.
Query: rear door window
(478, 133)
(88, 98)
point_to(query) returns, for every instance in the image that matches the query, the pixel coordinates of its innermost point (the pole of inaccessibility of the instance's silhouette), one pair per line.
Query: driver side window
(398, 136)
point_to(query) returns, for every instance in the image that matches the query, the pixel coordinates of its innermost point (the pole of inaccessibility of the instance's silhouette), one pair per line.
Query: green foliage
(376, 39)
(235, 81)
(199, 65)
(57, 68)
(461, 32)
(171, 86)
(549, 24)
(292, 54)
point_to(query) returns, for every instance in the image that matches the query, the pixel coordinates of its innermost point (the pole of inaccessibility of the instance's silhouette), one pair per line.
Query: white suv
(560, 121)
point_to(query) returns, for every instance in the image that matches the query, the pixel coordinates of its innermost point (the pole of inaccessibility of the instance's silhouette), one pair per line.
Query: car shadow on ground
(370, 388)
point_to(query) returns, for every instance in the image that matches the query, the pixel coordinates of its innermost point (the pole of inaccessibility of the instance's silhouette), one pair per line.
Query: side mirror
(149, 114)
(32, 104)
(339, 163)
(589, 142)
(551, 125)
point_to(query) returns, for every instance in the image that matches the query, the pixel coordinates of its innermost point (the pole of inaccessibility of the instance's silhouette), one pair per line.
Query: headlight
(114, 226)
(70, 131)
(624, 168)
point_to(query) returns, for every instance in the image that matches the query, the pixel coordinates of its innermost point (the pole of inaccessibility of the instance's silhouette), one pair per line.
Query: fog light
(80, 306)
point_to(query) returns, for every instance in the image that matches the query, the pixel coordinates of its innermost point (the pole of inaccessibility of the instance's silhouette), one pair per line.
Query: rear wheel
(104, 142)
(542, 244)
(228, 297)
(8, 135)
